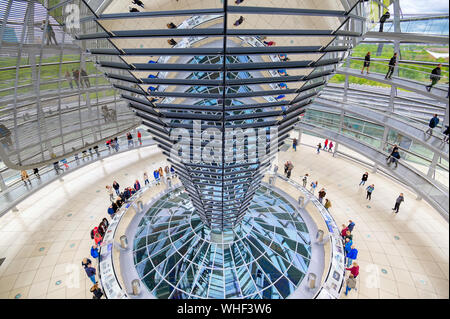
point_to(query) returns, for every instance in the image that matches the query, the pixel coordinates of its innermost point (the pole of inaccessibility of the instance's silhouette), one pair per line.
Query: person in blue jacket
(111, 211)
(433, 123)
(351, 225)
(94, 251)
(348, 245)
(156, 175)
(352, 255)
(90, 272)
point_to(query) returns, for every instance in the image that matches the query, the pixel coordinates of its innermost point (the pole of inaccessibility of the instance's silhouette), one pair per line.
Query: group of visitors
(327, 145)
(288, 166)
(371, 188)
(351, 254)
(79, 76)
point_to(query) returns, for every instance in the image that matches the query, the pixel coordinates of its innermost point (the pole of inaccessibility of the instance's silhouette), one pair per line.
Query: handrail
(331, 287)
(8, 195)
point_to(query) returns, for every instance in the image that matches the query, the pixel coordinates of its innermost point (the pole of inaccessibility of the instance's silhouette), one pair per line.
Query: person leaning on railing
(434, 77)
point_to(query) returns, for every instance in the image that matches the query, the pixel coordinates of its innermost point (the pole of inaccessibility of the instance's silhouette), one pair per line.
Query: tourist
(137, 185)
(86, 262)
(156, 176)
(351, 225)
(434, 121)
(57, 168)
(370, 189)
(116, 187)
(110, 192)
(330, 146)
(348, 235)
(319, 146)
(138, 3)
(90, 272)
(98, 238)
(322, 194)
(352, 255)
(434, 77)
(161, 172)
(294, 144)
(305, 180)
(94, 251)
(446, 134)
(398, 201)
(146, 181)
(36, 173)
(394, 157)
(327, 204)
(171, 25)
(139, 136)
(269, 43)
(351, 283)
(354, 270)
(344, 231)
(25, 178)
(348, 245)
(392, 63)
(133, 9)
(239, 21)
(366, 63)
(364, 178)
(130, 140)
(313, 187)
(96, 291)
(325, 145)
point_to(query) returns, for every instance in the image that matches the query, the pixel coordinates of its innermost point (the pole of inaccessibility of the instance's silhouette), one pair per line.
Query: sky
(424, 7)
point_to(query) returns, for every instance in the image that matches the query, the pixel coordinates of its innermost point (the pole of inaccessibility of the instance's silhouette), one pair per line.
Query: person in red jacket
(139, 135)
(354, 270)
(344, 230)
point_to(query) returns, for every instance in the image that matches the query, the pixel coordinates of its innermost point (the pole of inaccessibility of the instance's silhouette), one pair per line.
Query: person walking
(156, 176)
(370, 189)
(383, 19)
(90, 272)
(434, 77)
(325, 145)
(330, 146)
(294, 144)
(57, 168)
(366, 64)
(327, 204)
(305, 180)
(110, 192)
(434, 121)
(394, 157)
(319, 146)
(446, 133)
(96, 291)
(398, 201)
(36, 173)
(351, 284)
(139, 136)
(116, 187)
(313, 187)
(239, 21)
(392, 63)
(352, 255)
(25, 178)
(364, 178)
(138, 3)
(322, 194)
(146, 181)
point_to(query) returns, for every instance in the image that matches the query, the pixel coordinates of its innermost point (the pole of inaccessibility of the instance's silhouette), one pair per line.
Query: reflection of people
(49, 34)
(5, 136)
(239, 21)
(383, 19)
(138, 3)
